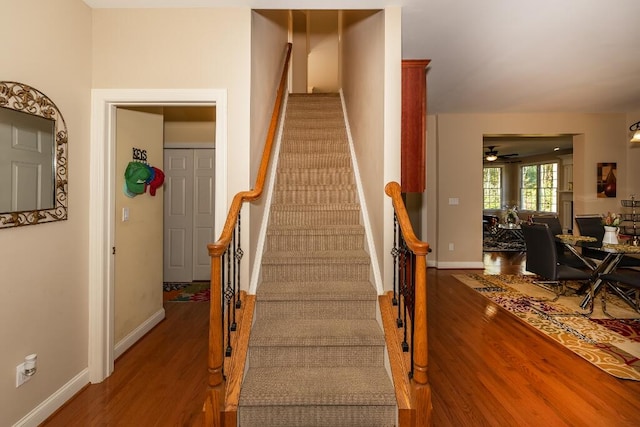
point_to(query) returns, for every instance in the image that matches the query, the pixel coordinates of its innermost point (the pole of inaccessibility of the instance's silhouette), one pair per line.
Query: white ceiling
(502, 55)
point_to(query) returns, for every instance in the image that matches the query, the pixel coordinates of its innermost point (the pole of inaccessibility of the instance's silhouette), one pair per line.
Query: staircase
(316, 352)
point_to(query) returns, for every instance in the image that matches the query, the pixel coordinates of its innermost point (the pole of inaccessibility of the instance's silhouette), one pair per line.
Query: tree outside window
(539, 187)
(492, 184)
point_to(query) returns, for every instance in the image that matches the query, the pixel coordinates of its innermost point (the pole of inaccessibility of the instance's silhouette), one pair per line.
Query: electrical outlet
(21, 378)
(451, 246)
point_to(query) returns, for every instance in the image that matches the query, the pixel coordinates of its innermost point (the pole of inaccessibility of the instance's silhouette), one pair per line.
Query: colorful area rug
(612, 345)
(182, 292)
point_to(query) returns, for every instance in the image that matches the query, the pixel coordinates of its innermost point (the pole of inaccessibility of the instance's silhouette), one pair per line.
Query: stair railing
(410, 295)
(226, 254)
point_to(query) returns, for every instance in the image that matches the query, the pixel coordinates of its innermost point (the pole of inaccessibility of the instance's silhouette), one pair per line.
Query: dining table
(612, 253)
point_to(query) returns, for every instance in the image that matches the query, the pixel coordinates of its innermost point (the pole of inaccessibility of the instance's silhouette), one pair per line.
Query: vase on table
(610, 235)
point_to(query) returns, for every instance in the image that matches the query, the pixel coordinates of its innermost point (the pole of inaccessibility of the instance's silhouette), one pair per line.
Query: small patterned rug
(612, 345)
(490, 243)
(182, 292)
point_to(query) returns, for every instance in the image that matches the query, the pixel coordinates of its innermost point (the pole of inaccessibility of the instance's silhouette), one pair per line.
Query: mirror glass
(33, 157)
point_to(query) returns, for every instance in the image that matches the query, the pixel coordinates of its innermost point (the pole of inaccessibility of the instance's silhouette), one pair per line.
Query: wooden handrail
(215, 402)
(418, 247)
(421, 390)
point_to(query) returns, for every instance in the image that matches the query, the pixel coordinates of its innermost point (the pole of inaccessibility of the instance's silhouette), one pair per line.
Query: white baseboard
(66, 392)
(55, 401)
(460, 265)
(137, 333)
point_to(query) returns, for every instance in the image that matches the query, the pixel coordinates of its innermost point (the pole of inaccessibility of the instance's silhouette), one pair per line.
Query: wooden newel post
(420, 388)
(214, 405)
(420, 382)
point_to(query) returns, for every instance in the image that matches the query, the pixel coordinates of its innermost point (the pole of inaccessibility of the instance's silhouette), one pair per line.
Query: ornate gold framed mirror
(33, 157)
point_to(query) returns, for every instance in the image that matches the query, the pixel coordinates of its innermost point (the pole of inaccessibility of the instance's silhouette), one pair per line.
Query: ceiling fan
(492, 155)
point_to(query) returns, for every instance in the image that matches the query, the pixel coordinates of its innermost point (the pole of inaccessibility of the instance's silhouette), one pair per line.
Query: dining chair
(564, 255)
(591, 225)
(628, 278)
(542, 260)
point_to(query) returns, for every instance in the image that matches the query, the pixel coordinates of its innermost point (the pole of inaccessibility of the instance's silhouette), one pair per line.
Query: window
(492, 184)
(539, 187)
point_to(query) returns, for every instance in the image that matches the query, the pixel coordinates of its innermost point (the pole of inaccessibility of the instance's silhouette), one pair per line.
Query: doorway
(504, 157)
(102, 207)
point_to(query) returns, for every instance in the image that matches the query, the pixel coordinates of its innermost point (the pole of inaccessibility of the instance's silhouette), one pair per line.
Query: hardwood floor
(486, 369)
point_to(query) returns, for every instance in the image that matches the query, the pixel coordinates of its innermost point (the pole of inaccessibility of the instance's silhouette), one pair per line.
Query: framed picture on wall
(606, 180)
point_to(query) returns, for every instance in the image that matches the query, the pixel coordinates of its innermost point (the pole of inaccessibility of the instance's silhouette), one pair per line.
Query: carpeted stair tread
(315, 194)
(316, 332)
(323, 291)
(313, 217)
(317, 207)
(331, 114)
(315, 121)
(320, 146)
(312, 188)
(298, 230)
(368, 386)
(305, 160)
(314, 257)
(323, 176)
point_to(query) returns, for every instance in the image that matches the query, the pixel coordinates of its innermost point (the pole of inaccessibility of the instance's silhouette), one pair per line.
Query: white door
(203, 204)
(26, 165)
(188, 214)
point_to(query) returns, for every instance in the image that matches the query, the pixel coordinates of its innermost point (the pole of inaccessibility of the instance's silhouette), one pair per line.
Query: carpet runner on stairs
(316, 352)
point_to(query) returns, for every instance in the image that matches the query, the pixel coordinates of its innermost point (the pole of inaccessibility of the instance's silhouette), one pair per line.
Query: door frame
(102, 209)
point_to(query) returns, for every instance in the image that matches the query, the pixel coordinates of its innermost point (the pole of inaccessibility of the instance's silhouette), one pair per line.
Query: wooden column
(414, 125)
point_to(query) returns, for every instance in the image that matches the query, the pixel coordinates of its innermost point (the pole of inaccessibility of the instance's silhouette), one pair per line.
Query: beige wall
(599, 138)
(139, 257)
(44, 267)
(190, 133)
(299, 52)
(138, 48)
(363, 85)
(323, 51)
(633, 158)
(268, 47)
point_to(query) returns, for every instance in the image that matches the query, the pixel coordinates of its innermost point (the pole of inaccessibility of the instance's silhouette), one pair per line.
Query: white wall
(43, 268)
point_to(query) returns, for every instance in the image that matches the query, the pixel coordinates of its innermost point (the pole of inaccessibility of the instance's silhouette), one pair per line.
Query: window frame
(501, 188)
(538, 187)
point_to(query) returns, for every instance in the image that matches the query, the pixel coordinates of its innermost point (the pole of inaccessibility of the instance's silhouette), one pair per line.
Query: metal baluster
(222, 277)
(238, 255)
(394, 254)
(228, 294)
(412, 287)
(232, 311)
(401, 262)
(405, 290)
